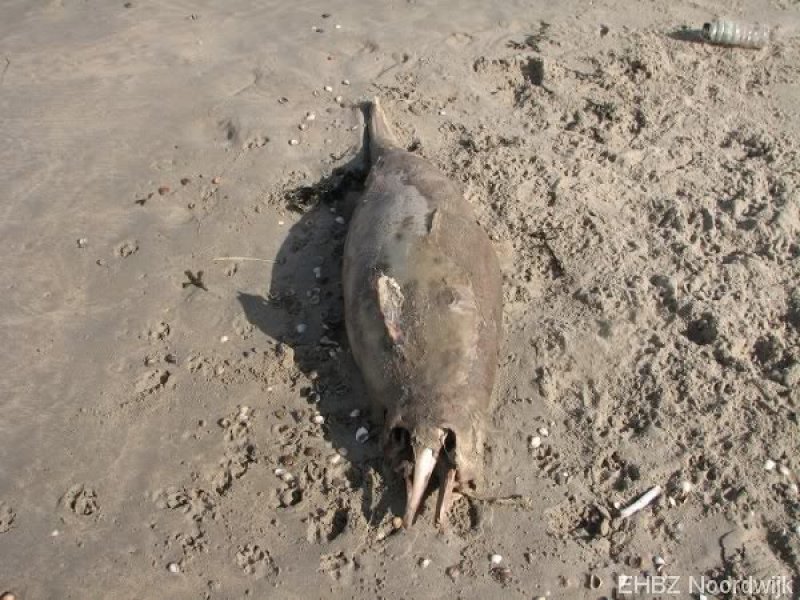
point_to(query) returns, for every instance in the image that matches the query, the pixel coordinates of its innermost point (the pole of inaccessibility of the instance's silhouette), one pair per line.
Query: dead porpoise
(423, 307)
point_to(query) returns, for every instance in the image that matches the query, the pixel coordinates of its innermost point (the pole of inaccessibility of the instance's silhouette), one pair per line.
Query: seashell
(595, 581)
(731, 33)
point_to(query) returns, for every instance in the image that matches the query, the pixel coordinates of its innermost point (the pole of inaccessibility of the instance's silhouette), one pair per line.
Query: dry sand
(643, 192)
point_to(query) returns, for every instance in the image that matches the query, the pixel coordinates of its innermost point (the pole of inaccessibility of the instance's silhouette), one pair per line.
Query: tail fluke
(381, 137)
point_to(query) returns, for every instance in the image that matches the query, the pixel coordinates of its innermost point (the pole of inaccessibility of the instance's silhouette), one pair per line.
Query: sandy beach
(178, 402)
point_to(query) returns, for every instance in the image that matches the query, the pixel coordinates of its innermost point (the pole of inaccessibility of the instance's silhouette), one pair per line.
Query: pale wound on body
(390, 303)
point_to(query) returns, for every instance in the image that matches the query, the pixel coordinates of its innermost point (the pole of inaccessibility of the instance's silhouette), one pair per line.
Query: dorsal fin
(390, 302)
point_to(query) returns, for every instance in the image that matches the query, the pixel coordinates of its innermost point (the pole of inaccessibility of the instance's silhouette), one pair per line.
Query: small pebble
(425, 563)
(294, 142)
(453, 572)
(339, 220)
(355, 413)
(328, 88)
(164, 189)
(279, 472)
(659, 561)
(185, 181)
(338, 99)
(769, 464)
(174, 567)
(301, 328)
(442, 112)
(544, 431)
(310, 116)
(318, 419)
(397, 522)
(345, 82)
(784, 470)
(686, 486)
(216, 180)
(535, 441)
(223, 339)
(317, 272)
(362, 435)
(55, 533)
(287, 477)
(8, 596)
(793, 488)
(82, 242)
(495, 559)
(334, 459)
(337, 26)
(283, 100)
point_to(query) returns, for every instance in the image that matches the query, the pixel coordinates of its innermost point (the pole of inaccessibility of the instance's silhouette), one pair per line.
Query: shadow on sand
(304, 309)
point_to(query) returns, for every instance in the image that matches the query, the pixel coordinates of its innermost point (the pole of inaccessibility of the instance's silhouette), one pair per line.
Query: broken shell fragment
(362, 435)
(595, 581)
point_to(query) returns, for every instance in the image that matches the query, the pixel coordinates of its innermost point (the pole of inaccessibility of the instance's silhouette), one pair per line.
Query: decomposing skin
(423, 306)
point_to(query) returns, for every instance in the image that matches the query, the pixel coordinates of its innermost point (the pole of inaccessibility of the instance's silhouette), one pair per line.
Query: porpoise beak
(424, 463)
